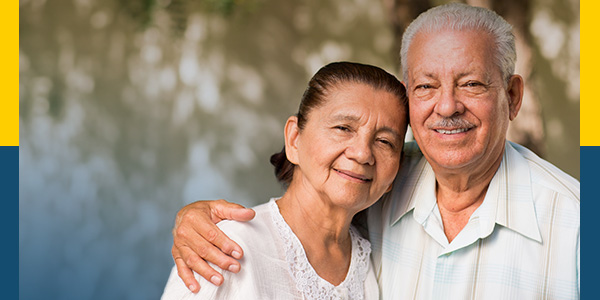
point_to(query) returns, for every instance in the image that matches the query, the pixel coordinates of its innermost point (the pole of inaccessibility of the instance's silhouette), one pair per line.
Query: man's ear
(515, 95)
(291, 134)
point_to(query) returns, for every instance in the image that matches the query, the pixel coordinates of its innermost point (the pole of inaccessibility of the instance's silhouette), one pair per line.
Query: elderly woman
(342, 151)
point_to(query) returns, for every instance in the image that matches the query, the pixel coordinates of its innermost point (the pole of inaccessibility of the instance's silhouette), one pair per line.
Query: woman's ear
(291, 134)
(389, 188)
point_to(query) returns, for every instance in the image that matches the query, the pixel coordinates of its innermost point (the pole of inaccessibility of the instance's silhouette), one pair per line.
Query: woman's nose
(360, 150)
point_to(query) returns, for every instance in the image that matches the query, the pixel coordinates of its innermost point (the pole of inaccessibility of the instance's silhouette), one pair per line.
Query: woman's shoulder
(262, 264)
(256, 230)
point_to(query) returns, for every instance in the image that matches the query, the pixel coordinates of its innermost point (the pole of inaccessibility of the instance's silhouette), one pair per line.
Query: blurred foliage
(131, 109)
(143, 11)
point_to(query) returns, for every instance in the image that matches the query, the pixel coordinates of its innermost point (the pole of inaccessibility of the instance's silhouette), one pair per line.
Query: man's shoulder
(547, 175)
(412, 156)
(411, 149)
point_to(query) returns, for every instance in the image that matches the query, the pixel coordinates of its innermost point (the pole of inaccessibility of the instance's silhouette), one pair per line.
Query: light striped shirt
(521, 243)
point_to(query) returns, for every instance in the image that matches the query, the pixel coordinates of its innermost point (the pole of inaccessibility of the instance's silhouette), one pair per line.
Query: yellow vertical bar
(9, 74)
(590, 72)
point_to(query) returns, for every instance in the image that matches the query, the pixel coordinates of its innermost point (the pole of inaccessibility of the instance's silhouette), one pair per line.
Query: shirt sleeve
(176, 289)
(235, 286)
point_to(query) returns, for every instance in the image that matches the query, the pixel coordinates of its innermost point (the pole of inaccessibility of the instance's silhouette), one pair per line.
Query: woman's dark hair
(327, 78)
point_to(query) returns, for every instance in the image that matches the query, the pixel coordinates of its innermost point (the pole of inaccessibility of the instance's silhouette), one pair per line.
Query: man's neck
(456, 208)
(460, 193)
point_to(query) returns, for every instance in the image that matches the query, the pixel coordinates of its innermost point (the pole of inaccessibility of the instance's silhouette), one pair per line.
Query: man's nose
(448, 103)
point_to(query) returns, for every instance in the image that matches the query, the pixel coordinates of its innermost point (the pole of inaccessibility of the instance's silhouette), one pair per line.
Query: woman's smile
(349, 149)
(354, 177)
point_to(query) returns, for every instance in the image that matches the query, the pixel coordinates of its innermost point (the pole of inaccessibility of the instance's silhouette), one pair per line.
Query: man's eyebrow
(469, 73)
(428, 75)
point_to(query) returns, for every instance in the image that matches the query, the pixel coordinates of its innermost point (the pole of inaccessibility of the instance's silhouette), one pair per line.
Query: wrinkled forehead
(344, 97)
(448, 49)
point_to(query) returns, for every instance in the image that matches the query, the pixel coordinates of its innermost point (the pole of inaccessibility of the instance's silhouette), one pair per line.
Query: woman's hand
(196, 240)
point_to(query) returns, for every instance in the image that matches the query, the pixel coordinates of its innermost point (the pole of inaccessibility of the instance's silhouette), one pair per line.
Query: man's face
(459, 102)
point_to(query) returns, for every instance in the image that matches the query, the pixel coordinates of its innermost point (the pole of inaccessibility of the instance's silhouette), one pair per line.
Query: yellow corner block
(9, 75)
(590, 75)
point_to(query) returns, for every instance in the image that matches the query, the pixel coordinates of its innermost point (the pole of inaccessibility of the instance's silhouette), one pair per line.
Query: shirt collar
(515, 206)
(419, 184)
(508, 201)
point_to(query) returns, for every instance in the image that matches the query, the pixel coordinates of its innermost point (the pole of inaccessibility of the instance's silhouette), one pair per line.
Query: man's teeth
(451, 131)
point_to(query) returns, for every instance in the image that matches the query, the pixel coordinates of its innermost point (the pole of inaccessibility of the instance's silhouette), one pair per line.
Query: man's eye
(475, 84)
(475, 87)
(423, 91)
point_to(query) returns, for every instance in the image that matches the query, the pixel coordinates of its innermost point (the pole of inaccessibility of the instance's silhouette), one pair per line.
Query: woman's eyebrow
(352, 118)
(395, 133)
(345, 117)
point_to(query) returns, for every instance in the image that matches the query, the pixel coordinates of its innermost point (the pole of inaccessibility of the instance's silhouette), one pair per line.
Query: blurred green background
(131, 109)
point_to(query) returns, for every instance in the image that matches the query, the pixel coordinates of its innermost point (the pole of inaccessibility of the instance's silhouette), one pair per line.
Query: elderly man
(471, 215)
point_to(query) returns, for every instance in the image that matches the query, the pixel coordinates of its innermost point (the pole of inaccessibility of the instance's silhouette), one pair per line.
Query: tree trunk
(527, 129)
(400, 14)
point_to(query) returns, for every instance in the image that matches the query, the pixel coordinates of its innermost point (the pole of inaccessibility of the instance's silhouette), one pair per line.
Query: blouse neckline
(307, 280)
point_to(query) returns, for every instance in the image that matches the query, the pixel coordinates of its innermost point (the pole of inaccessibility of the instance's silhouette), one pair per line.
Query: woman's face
(349, 150)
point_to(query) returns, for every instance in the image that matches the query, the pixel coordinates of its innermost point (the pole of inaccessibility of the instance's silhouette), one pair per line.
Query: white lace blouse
(275, 266)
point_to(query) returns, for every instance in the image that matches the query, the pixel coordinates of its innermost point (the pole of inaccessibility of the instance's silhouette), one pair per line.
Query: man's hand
(196, 238)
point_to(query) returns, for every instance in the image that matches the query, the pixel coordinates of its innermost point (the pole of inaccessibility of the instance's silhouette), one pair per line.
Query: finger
(186, 275)
(191, 260)
(188, 239)
(224, 210)
(194, 227)
(196, 230)
(243, 215)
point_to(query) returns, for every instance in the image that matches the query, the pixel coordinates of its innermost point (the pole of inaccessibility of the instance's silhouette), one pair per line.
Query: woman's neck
(323, 231)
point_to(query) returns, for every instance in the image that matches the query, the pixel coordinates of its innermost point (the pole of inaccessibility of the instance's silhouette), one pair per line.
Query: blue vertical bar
(590, 214)
(9, 221)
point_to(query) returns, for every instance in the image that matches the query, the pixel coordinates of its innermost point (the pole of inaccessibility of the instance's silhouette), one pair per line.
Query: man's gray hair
(459, 16)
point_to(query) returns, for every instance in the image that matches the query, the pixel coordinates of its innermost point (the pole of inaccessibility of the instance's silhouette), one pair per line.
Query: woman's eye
(386, 142)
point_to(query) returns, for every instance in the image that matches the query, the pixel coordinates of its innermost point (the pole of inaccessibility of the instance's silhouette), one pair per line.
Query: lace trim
(307, 279)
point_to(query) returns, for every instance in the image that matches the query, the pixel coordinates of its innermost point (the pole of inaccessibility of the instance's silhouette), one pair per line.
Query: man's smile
(452, 131)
